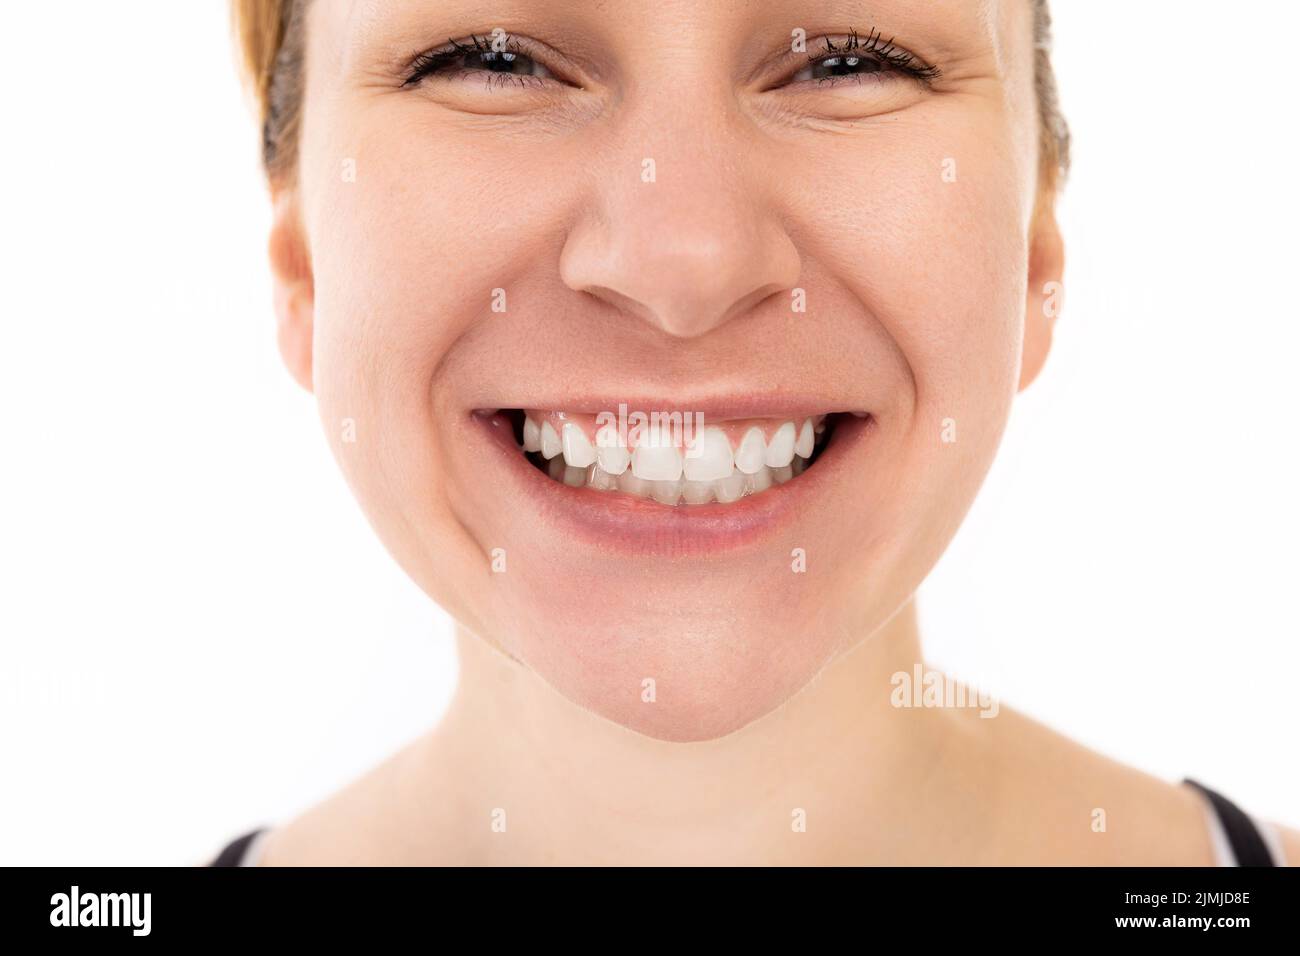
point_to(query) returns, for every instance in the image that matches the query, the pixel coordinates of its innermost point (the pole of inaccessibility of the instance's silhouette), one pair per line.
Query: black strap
(233, 852)
(1247, 844)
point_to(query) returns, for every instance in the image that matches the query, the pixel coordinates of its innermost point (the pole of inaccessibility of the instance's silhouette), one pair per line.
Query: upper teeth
(707, 468)
(578, 452)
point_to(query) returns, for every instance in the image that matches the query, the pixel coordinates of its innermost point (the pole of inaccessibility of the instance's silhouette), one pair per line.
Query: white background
(199, 633)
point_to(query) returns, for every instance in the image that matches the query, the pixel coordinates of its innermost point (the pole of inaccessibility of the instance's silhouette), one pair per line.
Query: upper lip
(717, 407)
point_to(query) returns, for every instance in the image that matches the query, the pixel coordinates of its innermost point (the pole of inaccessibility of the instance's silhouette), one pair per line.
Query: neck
(571, 787)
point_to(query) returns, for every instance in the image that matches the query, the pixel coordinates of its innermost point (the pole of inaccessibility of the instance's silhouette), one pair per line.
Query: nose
(684, 237)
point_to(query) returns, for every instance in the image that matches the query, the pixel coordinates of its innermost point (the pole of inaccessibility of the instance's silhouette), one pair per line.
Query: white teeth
(731, 488)
(710, 457)
(656, 468)
(803, 446)
(752, 450)
(532, 436)
(578, 452)
(601, 480)
(613, 457)
(551, 445)
(697, 492)
(726, 490)
(666, 492)
(629, 482)
(780, 449)
(655, 457)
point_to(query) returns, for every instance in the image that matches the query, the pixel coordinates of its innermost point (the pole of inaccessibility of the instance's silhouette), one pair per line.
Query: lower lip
(642, 526)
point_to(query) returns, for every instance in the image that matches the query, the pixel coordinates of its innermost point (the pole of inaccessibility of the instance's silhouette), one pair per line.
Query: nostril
(621, 302)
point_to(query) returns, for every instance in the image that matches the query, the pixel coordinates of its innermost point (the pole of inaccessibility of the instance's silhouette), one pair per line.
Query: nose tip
(685, 281)
(697, 245)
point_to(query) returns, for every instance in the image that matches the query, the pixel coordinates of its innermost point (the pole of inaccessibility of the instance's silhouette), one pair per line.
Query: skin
(926, 303)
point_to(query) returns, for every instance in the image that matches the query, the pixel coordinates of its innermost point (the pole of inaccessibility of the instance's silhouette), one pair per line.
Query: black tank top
(1245, 843)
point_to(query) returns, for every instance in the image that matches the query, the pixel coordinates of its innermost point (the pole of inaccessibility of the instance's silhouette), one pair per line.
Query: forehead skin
(984, 47)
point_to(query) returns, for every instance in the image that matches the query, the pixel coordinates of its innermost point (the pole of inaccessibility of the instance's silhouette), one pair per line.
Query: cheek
(415, 253)
(923, 223)
(408, 254)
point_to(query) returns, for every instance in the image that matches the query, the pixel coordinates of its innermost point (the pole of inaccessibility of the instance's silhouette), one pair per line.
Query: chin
(680, 598)
(684, 667)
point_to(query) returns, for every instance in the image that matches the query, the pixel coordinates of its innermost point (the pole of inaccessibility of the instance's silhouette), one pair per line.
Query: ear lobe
(293, 288)
(1044, 293)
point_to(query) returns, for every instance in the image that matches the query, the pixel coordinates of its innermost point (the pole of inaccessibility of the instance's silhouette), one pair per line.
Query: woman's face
(660, 204)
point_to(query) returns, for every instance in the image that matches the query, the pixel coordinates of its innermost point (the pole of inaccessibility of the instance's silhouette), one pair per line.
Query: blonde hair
(271, 37)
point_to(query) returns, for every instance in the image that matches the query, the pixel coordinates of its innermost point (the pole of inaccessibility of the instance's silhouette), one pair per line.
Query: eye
(506, 61)
(833, 66)
(856, 58)
(495, 59)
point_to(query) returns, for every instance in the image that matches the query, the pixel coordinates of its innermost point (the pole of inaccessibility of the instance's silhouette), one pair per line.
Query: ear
(1043, 304)
(293, 288)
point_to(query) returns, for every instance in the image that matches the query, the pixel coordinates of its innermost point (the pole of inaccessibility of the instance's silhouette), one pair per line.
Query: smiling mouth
(681, 463)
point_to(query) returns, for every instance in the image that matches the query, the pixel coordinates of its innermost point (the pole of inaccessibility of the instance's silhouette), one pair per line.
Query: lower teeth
(682, 491)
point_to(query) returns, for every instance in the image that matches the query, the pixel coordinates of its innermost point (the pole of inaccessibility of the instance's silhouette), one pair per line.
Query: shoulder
(368, 822)
(1052, 800)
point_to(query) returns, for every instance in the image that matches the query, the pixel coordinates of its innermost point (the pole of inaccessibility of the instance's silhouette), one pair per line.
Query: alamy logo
(650, 430)
(102, 909)
(927, 688)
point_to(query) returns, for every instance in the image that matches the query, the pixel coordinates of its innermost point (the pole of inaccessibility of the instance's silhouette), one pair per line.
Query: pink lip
(714, 407)
(642, 526)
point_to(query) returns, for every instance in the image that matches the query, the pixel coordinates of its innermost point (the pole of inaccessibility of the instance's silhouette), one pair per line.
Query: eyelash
(892, 58)
(436, 61)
